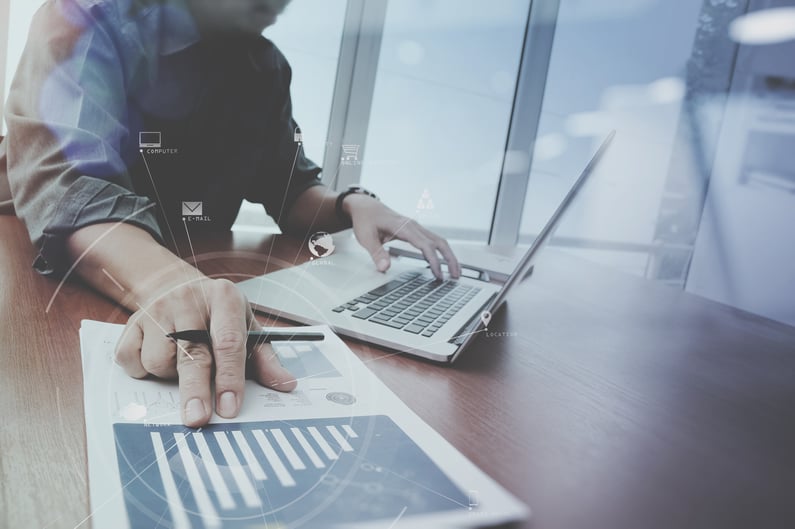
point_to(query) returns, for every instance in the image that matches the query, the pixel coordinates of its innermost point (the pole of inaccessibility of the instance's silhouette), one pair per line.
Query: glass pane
(441, 109)
(698, 190)
(614, 65)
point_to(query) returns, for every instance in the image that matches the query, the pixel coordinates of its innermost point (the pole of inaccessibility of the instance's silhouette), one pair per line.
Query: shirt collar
(178, 29)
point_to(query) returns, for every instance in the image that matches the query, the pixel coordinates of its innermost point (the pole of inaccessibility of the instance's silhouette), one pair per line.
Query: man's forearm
(126, 264)
(314, 210)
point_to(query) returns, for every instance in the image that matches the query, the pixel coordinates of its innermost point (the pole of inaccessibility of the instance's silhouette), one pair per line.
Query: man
(100, 199)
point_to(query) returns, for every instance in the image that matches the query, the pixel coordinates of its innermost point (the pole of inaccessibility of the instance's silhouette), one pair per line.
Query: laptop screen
(548, 230)
(523, 267)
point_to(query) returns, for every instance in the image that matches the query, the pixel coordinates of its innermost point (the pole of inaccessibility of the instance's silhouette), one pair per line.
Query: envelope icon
(191, 208)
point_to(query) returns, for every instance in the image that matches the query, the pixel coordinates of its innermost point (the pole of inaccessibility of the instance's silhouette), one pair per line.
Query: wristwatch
(359, 190)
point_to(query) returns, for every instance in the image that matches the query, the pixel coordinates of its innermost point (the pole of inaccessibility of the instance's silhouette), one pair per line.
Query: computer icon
(149, 139)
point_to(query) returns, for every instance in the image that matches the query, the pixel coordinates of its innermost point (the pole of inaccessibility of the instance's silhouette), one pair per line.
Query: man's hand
(374, 224)
(144, 348)
(126, 264)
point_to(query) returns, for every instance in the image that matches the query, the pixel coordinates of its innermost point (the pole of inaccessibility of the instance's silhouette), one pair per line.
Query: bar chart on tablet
(306, 473)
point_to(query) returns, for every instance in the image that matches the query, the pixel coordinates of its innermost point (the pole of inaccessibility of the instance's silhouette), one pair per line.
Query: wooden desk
(616, 404)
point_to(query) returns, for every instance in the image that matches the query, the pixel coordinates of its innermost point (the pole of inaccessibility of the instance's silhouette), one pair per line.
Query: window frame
(523, 125)
(354, 87)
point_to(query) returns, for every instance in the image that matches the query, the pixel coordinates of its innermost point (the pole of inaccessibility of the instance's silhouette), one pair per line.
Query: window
(441, 108)
(614, 65)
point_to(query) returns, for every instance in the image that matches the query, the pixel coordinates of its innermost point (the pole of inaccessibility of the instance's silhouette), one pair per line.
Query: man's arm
(66, 117)
(373, 224)
(166, 294)
(315, 210)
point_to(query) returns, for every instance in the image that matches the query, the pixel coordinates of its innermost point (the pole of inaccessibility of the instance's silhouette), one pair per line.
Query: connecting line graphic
(137, 476)
(289, 181)
(279, 217)
(394, 233)
(113, 279)
(399, 516)
(420, 485)
(195, 264)
(168, 225)
(164, 331)
(317, 212)
(157, 196)
(173, 238)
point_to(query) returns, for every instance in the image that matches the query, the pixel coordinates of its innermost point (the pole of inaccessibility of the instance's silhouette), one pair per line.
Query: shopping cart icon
(350, 153)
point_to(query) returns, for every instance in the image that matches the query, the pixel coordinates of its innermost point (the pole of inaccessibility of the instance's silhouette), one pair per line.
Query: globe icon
(321, 244)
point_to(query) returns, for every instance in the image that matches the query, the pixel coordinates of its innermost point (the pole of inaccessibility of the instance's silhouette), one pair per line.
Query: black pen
(254, 337)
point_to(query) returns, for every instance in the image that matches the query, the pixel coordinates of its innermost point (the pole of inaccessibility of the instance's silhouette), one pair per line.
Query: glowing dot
(549, 146)
(767, 26)
(588, 124)
(133, 412)
(666, 90)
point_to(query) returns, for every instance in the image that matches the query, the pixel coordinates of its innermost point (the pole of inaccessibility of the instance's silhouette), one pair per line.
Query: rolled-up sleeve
(67, 118)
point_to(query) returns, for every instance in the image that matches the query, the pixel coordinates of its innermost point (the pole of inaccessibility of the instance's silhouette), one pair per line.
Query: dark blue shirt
(95, 74)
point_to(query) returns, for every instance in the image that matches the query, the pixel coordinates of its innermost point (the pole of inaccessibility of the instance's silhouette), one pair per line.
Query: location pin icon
(485, 317)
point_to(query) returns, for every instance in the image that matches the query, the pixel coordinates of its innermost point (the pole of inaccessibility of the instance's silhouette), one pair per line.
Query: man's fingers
(414, 234)
(158, 352)
(429, 252)
(264, 365)
(370, 240)
(128, 350)
(228, 332)
(266, 369)
(441, 244)
(194, 364)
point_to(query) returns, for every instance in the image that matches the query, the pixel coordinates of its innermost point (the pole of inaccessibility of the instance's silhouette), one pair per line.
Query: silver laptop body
(404, 309)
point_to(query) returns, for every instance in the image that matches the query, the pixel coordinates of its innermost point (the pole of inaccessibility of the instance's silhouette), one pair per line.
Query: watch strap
(352, 190)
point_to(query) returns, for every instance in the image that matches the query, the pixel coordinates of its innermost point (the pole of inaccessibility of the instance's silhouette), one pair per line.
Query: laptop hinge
(469, 327)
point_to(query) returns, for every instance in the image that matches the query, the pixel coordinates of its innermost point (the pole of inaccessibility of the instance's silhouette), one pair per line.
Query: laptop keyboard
(411, 302)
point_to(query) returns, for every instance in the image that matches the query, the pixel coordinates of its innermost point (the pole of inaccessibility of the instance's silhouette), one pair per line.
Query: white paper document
(341, 450)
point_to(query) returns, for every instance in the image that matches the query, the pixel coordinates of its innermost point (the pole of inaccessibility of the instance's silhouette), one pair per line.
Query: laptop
(405, 309)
